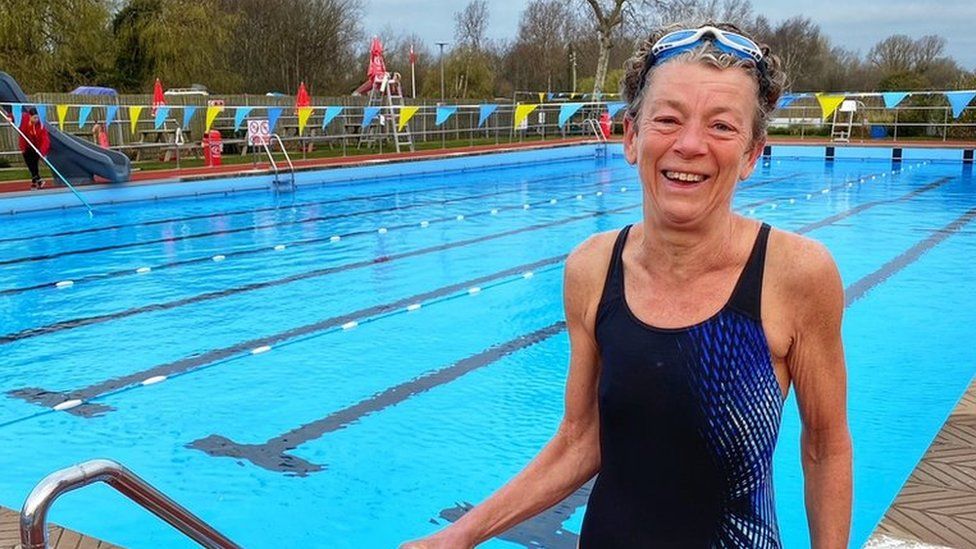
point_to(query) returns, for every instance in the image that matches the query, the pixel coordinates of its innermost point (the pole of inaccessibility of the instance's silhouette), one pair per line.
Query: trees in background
(256, 46)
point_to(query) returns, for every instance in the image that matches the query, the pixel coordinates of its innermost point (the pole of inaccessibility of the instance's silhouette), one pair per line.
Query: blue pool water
(366, 435)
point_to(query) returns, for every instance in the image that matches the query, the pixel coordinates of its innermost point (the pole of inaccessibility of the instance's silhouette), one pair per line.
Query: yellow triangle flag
(542, 97)
(212, 113)
(406, 113)
(134, 117)
(522, 112)
(303, 114)
(62, 112)
(829, 104)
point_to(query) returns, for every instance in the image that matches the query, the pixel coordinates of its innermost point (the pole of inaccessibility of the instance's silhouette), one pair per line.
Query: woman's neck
(684, 253)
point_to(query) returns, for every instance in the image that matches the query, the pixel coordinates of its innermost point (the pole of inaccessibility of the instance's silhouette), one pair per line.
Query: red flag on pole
(413, 56)
(158, 99)
(302, 99)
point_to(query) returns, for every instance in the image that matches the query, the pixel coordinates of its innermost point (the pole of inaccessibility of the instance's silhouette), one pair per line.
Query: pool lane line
(273, 454)
(254, 228)
(48, 398)
(79, 401)
(58, 284)
(278, 207)
(208, 296)
(847, 184)
(279, 247)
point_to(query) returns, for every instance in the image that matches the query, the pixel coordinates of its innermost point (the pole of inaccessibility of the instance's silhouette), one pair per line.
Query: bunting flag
(62, 113)
(614, 107)
(786, 101)
(83, 114)
(42, 113)
(566, 111)
(239, 115)
(484, 112)
(274, 113)
(110, 113)
(573, 95)
(549, 96)
(829, 104)
(162, 111)
(303, 114)
(330, 114)
(15, 111)
(443, 113)
(542, 97)
(188, 113)
(959, 100)
(892, 99)
(134, 112)
(406, 113)
(212, 112)
(369, 113)
(522, 112)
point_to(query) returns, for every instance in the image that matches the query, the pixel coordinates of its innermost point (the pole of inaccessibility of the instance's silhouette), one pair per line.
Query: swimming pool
(350, 365)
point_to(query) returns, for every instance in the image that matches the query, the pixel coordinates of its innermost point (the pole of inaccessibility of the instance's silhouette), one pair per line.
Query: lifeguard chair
(384, 90)
(843, 121)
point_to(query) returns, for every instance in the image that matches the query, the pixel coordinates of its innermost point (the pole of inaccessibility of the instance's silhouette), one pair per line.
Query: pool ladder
(280, 185)
(594, 126)
(33, 516)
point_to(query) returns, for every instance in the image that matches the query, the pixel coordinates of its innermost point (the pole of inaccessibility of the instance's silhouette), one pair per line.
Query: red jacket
(37, 133)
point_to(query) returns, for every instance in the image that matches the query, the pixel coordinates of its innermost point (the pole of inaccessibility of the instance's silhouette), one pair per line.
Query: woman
(687, 331)
(100, 135)
(33, 139)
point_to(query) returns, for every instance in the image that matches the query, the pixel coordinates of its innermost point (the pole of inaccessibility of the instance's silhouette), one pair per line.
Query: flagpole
(413, 75)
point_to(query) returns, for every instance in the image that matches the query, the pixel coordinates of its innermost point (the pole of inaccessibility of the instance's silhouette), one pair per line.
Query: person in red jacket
(32, 127)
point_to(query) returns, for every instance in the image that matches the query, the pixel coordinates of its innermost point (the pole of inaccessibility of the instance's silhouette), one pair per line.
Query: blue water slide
(78, 160)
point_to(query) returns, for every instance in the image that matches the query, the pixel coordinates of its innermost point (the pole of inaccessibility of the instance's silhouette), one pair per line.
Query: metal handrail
(595, 126)
(33, 516)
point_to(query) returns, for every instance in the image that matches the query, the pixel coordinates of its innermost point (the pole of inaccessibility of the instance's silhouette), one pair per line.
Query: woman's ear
(630, 139)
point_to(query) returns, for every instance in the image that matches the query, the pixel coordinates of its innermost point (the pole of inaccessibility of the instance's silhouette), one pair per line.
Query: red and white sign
(258, 132)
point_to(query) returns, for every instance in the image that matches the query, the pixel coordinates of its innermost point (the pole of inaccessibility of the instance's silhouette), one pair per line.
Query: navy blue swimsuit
(688, 423)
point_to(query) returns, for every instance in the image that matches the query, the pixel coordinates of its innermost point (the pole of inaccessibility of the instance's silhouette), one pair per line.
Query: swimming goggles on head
(683, 40)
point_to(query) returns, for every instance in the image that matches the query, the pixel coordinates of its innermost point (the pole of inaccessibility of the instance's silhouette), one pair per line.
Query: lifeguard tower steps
(387, 92)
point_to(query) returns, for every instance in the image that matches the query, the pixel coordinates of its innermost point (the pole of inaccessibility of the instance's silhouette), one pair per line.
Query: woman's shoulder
(586, 271)
(803, 270)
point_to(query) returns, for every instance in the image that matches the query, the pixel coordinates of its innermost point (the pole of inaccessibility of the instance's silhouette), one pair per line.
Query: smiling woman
(688, 329)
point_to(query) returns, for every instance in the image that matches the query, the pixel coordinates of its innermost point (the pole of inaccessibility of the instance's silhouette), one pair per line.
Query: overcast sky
(855, 24)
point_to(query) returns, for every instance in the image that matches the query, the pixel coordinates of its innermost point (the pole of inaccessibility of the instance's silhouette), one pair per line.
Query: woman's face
(692, 140)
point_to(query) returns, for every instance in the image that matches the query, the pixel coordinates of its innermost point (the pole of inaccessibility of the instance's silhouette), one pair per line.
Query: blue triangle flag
(110, 113)
(369, 113)
(162, 112)
(614, 107)
(83, 114)
(443, 113)
(549, 96)
(330, 114)
(484, 112)
(566, 111)
(959, 100)
(892, 99)
(42, 113)
(239, 116)
(274, 113)
(188, 113)
(786, 101)
(15, 111)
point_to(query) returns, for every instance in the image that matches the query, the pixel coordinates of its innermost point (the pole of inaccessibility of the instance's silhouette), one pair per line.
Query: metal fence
(923, 117)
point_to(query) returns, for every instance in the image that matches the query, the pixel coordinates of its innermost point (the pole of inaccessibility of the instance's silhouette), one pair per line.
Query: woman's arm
(572, 456)
(816, 364)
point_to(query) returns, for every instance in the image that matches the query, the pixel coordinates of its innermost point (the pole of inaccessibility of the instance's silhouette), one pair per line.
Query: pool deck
(937, 504)
(58, 537)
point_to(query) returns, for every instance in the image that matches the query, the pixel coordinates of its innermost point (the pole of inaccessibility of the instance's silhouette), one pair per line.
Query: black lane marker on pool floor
(155, 307)
(254, 228)
(272, 455)
(51, 399)
(279, 207)
(51, 285)
(864, 285)
(263, 455)
(867, 205)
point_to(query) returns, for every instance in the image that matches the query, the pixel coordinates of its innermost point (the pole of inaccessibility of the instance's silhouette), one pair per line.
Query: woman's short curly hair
(771, 79)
